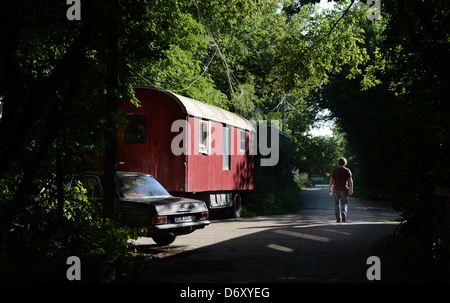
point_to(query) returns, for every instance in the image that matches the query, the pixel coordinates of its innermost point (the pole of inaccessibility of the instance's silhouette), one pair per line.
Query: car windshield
(135, 186)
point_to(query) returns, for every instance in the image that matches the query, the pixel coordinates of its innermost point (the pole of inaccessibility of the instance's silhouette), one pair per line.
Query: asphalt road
(308, 246)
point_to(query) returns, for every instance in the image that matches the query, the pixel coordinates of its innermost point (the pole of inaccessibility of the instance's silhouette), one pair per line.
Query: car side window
(93, 186)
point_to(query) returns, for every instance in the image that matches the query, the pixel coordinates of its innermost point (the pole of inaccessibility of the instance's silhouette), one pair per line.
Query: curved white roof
(203, 110)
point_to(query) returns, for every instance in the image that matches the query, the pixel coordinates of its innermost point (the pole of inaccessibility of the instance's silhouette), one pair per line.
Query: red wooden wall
(155, 157)
(194, 172)
(205, 172)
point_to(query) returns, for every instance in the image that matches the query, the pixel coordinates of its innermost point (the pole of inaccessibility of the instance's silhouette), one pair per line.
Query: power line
(174, 90)
(201, 75)
(230, 75)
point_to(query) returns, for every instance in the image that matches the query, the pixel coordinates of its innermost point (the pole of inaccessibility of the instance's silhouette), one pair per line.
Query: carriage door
(135, 150)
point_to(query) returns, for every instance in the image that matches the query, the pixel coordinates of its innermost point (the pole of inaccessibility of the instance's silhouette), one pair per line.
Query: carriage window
(136, 132)
(204, 137)
(226, 149)
(243, 141)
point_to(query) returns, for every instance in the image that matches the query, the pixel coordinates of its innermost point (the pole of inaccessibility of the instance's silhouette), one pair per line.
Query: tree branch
(338, 20)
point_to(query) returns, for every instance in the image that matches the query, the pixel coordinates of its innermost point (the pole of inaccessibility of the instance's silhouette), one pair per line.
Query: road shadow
(326, 252)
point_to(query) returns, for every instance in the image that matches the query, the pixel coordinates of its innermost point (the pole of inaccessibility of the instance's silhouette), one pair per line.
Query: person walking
(342, 179)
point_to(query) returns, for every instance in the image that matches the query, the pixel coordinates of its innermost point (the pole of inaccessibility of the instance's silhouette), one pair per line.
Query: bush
(36, 245)
(274, 193)
(301, 179)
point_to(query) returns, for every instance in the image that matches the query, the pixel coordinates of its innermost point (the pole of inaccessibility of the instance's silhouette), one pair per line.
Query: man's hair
(342, 161)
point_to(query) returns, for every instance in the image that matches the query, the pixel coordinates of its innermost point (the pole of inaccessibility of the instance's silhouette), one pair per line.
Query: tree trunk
(112, 108)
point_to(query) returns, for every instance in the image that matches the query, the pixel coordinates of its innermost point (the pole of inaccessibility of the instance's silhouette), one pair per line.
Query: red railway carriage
(192, 148)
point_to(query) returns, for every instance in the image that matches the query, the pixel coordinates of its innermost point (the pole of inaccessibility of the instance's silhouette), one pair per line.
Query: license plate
(184, 219)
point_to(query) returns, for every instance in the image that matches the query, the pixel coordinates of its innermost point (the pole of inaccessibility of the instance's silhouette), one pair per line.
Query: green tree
(61, 83)
(316, 45)
(321, 154)
(313, 48)
(395, 117)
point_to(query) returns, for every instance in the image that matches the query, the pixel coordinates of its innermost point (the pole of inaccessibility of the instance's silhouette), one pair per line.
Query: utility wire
(221, 56)
(175, 90)
(201, 75)
(230, 75)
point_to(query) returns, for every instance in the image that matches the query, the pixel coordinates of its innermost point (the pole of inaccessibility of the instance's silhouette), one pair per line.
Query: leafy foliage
(36, 248)
(311, 49)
